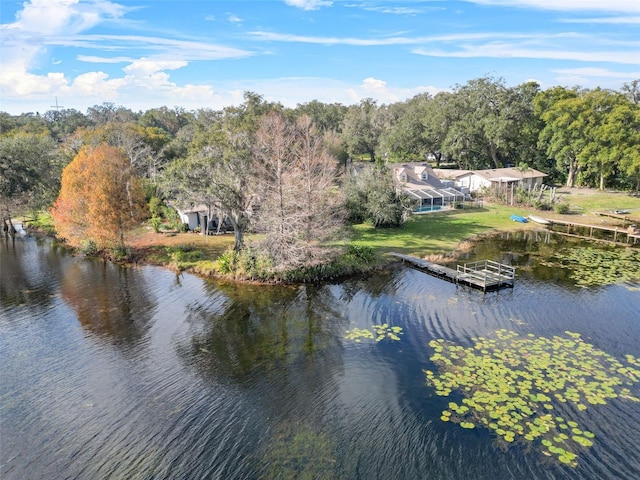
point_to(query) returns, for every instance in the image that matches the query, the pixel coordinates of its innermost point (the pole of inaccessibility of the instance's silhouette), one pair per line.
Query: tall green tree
(217, 169)
(361, 130)
(325, 116)
(110, 112)
(487, 123)
(371, 195)
(63, 122)
(167, 119)
(619, 138)
(561, 111)
(215, 174)
(591, 134)
(402, 136)
(30, 170)
(437, 117)
(602, 150)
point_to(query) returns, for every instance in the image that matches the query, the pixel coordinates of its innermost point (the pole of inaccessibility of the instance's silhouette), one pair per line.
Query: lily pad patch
(510, 384)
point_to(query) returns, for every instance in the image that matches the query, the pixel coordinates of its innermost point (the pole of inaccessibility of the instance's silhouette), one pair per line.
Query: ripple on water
(188, 379)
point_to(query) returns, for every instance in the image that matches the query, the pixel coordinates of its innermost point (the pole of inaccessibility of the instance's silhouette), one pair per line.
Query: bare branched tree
(299, 203)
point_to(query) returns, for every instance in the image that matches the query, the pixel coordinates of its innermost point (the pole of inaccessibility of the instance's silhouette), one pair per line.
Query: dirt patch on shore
(148, 239)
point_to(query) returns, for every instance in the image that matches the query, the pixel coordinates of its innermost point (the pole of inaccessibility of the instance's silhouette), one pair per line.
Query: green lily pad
(511, 384)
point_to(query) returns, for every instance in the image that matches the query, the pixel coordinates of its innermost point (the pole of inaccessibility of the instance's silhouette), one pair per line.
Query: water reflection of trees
(109, 300)
(375, 284)
(29, 271)
(263, 328)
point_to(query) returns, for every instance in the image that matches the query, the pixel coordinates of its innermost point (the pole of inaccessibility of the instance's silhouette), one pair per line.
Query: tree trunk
(572, 174)
(12, 229)
(238, 232)
(493, 153)
(238, 238)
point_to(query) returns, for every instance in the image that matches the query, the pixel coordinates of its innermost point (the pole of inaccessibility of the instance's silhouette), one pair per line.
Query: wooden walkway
(618, 216)
(484, 275)
(616, 235)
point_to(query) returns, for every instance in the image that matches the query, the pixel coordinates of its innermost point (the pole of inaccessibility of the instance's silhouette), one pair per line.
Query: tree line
(290, 157)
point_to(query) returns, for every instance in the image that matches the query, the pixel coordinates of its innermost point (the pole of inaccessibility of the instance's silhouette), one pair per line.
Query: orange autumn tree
(100, 199)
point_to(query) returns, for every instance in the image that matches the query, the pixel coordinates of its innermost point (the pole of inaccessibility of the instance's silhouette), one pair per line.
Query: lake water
(136, 373)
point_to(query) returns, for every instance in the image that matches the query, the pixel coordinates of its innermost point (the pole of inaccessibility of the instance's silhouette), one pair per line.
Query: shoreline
(442, 241)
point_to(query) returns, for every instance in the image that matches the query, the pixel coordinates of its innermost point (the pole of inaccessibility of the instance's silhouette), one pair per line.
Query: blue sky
(143, 54)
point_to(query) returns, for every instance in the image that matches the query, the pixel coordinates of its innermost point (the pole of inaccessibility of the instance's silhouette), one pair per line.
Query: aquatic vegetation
(376, 332)
(512, 384)
(596, 266)
(299, 453)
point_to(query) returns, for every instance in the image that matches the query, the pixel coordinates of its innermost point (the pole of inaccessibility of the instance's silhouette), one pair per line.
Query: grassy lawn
(441, 232)
(429, 234)
(589, 201)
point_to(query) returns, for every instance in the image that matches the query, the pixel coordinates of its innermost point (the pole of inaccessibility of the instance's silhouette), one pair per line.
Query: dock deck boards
(483, 275)
(630, 236)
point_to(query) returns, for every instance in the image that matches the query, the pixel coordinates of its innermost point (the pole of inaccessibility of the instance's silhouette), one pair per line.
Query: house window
(425, 175)
(403, 177)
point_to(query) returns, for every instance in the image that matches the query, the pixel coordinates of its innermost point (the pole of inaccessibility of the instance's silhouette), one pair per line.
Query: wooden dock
(617, 235)
(624, 217)
(484, 275)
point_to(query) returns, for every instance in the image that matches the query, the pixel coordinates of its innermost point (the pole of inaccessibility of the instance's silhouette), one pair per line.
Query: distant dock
(616, 235)
(484, 275)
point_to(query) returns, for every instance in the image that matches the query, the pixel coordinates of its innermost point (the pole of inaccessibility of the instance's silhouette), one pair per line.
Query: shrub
(88, 248)
(540, 205)
(226, 263)
(155, 206)
(119, 253)
(362, 252)
(155, 223)
(42, 222)
(561, 208)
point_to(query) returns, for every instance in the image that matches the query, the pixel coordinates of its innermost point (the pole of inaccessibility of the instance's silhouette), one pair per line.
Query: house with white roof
(204, 218)
(499, 178)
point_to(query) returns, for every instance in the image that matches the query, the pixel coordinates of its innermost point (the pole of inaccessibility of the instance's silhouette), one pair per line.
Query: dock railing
(486, 273)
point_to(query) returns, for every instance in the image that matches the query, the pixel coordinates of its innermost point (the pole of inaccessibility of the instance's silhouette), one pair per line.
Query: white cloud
(597, 72)
(146, 66)
(167, 48)
(374, 84)
(94, 85)
(18, 83)
(64, 16)
(391, 9)
(309, 4)
(96, 59)
(371, 42)
(593, 77)
(42, 24)
(507, 50)
(632, 20)
(627, 6)
(156, 90)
